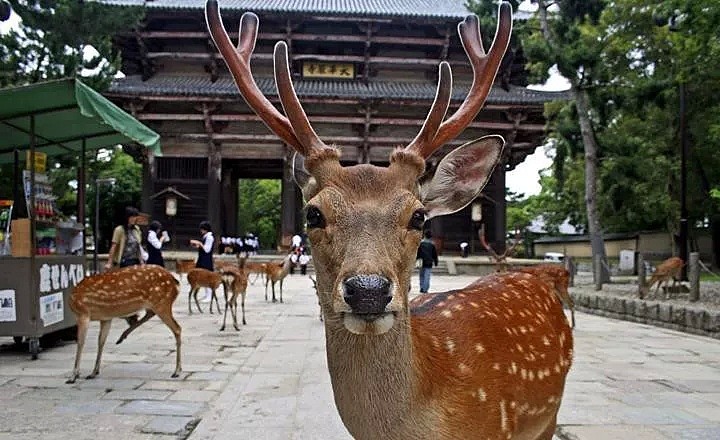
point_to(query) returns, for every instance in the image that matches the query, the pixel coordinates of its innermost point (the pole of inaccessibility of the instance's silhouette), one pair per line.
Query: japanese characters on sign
(312, 69)
(56, 278)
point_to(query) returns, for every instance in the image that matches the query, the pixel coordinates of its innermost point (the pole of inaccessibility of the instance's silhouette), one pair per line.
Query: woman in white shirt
(156, 237)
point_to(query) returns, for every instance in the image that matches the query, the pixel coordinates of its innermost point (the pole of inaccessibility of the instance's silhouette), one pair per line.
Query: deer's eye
(417, 221)
(314, 218)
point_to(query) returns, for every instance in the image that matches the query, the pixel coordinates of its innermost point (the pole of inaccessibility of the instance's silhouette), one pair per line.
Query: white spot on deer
(523, 330)
(464, 369)
(531, 375)
(513, 367)
(447, 313)
(552, 399)
(519, 347)
(503, 417)
(461, 295)
(479, 348)
(458, 307)
(496, 366)
(545, 340)
(449, 345)
(481, 395)
(435, 341)
(523, 373)
(474, 304)
(557, 368)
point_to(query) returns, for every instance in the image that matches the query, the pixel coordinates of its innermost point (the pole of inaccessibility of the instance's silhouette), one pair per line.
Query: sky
(525, 177)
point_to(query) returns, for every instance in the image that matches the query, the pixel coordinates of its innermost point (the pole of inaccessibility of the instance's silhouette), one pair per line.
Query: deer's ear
(302, 177)
(461, 176)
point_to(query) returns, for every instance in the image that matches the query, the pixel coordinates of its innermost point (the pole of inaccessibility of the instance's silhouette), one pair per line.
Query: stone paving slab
(270, 381)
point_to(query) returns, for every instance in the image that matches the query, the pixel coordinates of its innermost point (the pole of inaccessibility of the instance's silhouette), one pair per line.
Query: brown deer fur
(275, 272)
(121, 293)
(559, 277)
(203, 278)
(669, 269)
(236, 281)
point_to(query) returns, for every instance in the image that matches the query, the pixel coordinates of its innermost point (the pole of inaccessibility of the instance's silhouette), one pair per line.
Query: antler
(487, 247)
(434, 134)
(294, 129)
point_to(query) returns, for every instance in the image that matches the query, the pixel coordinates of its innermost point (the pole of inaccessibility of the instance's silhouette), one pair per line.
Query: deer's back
(124, 291)
(203, 277)
(503, 341)
(238, 279)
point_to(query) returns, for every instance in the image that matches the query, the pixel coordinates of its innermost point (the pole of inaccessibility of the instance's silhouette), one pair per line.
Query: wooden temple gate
(366, 78)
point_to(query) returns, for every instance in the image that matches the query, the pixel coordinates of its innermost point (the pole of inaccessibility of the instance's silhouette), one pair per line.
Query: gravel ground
(627, 286)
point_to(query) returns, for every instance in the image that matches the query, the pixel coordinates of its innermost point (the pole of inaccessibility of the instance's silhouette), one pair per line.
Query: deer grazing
(483, 362)
(499, 259)
(667, 270)
(275, 272)
(198, 278)
(559, 277)
(235, 281)
(118, 294)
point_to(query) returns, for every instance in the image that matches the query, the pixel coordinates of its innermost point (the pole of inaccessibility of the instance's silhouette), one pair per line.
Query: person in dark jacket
(428, 254)
(156, 237)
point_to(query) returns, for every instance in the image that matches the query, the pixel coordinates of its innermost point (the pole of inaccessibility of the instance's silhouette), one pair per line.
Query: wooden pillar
(148, 172)
(214, 210)
(289, 208)
(230, 203)
(81, 186)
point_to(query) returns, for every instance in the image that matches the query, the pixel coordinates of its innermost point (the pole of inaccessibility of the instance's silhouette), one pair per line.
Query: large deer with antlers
(482, 362)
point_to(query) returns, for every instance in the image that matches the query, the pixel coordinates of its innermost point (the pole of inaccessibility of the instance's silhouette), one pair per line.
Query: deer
(315, 287)
(198, 278)
(560, 278)
(499, 259)
(184, 266)
(255, 267)
(275, 272)
(487, 361)
(118, 294)
(235, 281)
(667, 270)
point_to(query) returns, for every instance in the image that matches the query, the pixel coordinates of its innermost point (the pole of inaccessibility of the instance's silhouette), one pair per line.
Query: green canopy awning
(66, 112)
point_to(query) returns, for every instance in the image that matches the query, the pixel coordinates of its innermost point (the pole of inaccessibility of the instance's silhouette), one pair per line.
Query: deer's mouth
(368, 323)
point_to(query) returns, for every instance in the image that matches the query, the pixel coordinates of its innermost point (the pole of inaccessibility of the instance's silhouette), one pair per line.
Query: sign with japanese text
(40, 161)
(312, 69)
(7, 306)
(54, 279)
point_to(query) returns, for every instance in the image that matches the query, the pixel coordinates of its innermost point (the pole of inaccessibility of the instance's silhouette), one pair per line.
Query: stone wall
(675, 316)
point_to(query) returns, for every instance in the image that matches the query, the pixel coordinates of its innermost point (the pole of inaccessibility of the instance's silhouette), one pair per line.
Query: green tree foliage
(259, 209)
(54, 38)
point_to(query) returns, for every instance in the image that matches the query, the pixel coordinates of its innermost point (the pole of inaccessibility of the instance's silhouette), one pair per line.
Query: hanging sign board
(312, 69)
(40, 161)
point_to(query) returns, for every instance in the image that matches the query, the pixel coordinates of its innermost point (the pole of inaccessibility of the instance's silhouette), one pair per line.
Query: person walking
(156, 237)
(205, 252)
(125, 249)
(428, 256)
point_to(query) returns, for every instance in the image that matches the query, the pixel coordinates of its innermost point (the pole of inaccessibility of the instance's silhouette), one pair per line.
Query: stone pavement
(270, 380)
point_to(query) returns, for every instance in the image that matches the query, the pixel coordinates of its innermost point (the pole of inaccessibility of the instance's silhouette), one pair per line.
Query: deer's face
(365, 224)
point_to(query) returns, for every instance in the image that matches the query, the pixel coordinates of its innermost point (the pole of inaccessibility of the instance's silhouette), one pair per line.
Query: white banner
(51, 308)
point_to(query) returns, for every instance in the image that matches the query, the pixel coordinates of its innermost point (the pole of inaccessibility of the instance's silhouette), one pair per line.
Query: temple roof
(202, 86)
(436, 9)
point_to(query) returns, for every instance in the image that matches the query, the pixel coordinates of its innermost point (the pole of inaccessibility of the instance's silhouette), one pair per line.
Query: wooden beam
(489, 125)
(378, 39)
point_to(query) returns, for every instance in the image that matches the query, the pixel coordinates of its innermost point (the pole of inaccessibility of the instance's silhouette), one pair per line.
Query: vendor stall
(41, 253)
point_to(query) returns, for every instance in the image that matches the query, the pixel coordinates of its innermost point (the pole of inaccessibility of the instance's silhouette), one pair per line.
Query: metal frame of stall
(40, 285)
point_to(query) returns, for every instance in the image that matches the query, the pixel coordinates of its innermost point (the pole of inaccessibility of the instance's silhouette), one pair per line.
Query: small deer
(203, 278)
(184, 266)
(257, 268)
(235, 281)
(488, 361)
(667, 270)
(316, 294)
(559, 277)
(275, 272)
(118, 294)
(500, 259)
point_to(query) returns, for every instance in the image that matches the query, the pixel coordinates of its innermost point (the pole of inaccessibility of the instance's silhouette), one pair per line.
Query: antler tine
(485, 244)
(290, 102)
(238, 61)
(512, 247)
(484, 67)
(437, 112)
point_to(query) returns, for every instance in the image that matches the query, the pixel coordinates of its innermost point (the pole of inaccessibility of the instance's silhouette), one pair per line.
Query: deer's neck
(374, 381)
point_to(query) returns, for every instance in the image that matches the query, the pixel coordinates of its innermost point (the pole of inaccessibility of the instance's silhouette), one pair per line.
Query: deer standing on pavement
(667, 270)
(275, 272)
(559, 277)
(483, 362)
(118, 294)
(198, 278)
(235, 281)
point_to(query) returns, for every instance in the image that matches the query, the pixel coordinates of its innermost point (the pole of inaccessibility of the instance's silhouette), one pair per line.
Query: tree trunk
(597, 243)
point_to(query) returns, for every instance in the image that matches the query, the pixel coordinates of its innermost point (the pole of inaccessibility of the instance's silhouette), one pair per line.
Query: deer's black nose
(367, 294)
